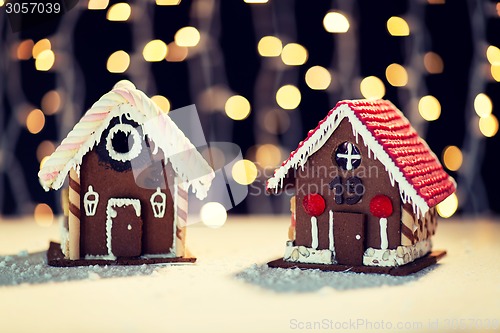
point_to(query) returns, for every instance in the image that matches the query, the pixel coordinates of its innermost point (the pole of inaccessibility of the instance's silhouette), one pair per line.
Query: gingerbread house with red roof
(365, 191)
(130, 169)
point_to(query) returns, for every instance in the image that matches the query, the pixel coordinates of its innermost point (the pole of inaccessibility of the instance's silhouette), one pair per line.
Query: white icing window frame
(134, 151)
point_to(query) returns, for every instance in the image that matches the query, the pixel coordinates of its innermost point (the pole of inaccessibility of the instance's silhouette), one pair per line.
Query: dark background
(449, 32)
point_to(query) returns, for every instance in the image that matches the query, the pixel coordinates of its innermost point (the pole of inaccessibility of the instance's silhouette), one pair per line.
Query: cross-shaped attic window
(347, 156)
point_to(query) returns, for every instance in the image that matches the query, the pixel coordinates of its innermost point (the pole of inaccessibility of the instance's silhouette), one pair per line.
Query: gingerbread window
(123, 142)
(347, 156)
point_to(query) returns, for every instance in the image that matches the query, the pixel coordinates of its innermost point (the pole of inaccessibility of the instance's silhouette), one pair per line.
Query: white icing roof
(126, 100)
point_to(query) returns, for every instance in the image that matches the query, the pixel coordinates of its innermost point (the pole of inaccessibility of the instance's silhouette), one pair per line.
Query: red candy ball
(314, 204)
(381, 206)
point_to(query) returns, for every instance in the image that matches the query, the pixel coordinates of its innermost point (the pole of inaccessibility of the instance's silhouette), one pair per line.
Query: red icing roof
(411, 155)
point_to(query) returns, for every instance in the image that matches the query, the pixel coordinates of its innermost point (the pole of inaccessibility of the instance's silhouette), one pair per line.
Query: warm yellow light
(154, 51)
(98, 4)
(270, 46)
(237, 107)
(452, 158)
(396, 75)
(40, 46)
(35, 121)
(176, 53)
(168, 2)
(498, 8)
(483, 105)
(433, 63)
(268, 156)
(44, 149)
(488, 125)
(187, 37)
(495, 72)
(119, 12)
(294, 54)
(275, 121)
(493, 55)
(397, 26)
(51, 102)
(25, 49)
(45, 60)
(335, 22)
(213, 214)
(436, 2)
(318, 78)
(118, 62)
(244, 172)
(372, 87)
(2, 2)
(42, 162)
(288, 97)
(256, 1)
(429, 108)
(162, 102)
(448, 206)
(43, 215)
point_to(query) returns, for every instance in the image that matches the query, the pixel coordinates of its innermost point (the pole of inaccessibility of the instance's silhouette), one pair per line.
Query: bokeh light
(155, 50)
(25, 49)
(335, 22)
(493, 55)
(45, 60)
(270, 46)
(429, 108)
(2, 2)
(168, 2)
(483, 105)
(488, 125)
(35, 121)
(51, 102)
(452, 158)
(98, 4)
(119, 12)
(433, 63)
(397, 26)
(237, 107)
(44, 149)
(396, 75)
(118, 62)
(213, 215)
(495, 72)
(187, 37)
(448, 206)
(176, 53)
(43, 215)
(244, 172)
(294, 54)
(214, 156)
(40, 46)
(268, 156)
(214, 98)
(162, 102)
(275, 121)
(256, 1)
(318, 78)
(372, 87)
(288, 97)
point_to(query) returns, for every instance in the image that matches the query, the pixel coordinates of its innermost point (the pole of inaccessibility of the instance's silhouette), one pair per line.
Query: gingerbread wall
(320, 170)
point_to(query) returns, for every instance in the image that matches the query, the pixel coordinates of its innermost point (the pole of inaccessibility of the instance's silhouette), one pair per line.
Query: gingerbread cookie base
(55, 257)
(413, 267)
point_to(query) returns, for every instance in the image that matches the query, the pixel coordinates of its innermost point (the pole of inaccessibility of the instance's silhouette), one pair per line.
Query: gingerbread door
(124, 227)
(349, 237)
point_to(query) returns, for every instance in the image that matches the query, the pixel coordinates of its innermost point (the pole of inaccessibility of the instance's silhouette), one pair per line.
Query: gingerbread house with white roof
(365, 188)
(130, 169)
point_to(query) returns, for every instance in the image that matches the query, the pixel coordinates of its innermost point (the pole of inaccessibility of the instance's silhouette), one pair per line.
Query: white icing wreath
(134, 151)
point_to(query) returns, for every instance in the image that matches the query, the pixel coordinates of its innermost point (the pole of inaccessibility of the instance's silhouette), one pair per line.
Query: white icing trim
(111, 213)
(308, 255)
(134, 151)
(90, 205)
(400, 256)
(384, 242)
(158, 207)
(317, 140)
(314, 232)
(176, 218)
(331, 240)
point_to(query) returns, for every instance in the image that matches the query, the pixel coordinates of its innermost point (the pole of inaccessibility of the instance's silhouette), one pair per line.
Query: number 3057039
(32, 8)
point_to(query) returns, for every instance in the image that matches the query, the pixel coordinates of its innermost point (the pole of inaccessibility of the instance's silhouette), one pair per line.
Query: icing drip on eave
(315, 141)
